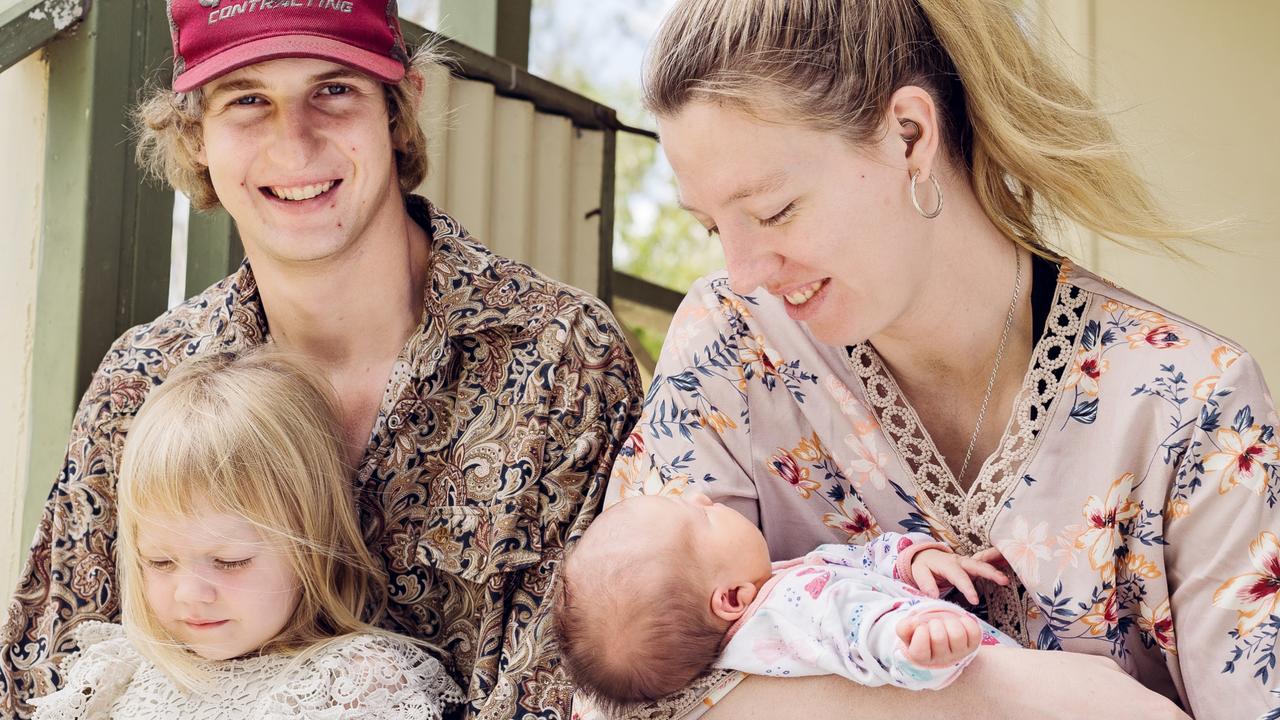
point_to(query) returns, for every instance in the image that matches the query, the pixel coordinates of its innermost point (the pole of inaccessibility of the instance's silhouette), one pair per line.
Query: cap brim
(384, 68)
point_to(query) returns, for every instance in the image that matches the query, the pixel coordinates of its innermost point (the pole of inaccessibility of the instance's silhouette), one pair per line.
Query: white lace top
(364, 677)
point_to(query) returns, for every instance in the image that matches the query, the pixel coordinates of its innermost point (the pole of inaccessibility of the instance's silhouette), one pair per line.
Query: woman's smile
(807, 301)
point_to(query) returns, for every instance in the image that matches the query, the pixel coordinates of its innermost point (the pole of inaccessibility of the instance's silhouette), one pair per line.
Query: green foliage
(654, 238)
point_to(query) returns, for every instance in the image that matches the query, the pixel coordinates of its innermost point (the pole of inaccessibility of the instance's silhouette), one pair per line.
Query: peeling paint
(63, 13)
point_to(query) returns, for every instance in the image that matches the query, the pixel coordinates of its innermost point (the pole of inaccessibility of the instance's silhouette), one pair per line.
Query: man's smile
(299, 193)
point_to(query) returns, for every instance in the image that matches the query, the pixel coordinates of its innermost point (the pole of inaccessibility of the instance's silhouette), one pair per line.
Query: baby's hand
(939, 638)
(955, 569)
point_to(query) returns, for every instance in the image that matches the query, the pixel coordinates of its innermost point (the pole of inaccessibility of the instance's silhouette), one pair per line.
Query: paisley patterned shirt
(1134, 493)
(490, 452)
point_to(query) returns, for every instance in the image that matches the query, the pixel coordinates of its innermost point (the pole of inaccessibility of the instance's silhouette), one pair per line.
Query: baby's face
(730, 546)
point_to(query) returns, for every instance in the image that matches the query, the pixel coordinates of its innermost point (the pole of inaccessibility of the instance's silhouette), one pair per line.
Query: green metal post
(147, 230)
(513, 24)
(608, 190)
(27, 25)
(105, 252)
(494, 27)
(213, 249)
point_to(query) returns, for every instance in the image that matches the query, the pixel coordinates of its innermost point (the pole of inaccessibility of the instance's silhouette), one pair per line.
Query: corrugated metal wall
(526, 183)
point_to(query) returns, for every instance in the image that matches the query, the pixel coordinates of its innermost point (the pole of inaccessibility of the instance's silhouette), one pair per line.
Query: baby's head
(650, 591)
(238, 533)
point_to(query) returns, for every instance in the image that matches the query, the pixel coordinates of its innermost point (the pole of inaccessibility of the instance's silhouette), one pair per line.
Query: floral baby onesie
(835, 612)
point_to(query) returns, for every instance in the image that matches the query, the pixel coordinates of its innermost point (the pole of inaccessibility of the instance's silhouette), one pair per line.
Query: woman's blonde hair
(254, 436)
(1035, 146)
(169, 132)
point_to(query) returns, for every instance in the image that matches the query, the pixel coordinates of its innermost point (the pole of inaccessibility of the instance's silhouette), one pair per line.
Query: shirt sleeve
(595, 400)
(69, 576)
(888, 555)
(816, 624)
(1218, 629)
(694, 430)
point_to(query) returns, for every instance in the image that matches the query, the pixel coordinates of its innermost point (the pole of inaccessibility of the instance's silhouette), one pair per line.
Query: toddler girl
(247, 590)
(662, 587)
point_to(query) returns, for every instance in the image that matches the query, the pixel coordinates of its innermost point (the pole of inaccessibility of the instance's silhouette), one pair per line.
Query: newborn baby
(661, 588)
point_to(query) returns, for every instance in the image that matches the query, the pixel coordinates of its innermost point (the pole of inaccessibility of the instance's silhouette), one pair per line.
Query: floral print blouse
(1134, 492)
(490, 452)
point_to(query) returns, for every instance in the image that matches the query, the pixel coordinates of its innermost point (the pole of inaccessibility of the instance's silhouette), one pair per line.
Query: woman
(896, 347)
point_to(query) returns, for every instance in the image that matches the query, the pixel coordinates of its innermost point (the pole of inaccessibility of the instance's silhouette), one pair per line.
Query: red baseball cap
(214, 37)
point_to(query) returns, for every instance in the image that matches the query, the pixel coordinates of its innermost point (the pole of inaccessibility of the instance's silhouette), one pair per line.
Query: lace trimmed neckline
(968, 515)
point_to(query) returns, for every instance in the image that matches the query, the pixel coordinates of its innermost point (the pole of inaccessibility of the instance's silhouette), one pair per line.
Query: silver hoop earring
(915, 177)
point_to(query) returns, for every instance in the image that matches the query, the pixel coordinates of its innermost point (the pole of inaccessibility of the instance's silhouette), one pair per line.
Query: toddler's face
(215, 583)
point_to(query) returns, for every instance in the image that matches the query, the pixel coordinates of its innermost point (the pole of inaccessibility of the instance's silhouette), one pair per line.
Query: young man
(482, 402)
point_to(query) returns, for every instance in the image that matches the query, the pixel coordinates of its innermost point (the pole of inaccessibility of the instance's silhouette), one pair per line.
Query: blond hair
(633, 626)
(1035, 146)
(252, 436)
(169, 131)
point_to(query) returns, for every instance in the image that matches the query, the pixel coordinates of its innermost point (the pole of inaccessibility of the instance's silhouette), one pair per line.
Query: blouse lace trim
(969, 515)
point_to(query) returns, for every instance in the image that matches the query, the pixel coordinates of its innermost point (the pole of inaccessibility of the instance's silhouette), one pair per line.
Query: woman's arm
(695, 430)
(1218, 629)
(1001, 683)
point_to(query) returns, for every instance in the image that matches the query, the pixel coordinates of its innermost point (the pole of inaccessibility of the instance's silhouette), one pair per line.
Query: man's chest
(449, 500)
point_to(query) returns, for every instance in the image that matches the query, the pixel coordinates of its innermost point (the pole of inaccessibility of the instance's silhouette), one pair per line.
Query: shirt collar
(470, 290)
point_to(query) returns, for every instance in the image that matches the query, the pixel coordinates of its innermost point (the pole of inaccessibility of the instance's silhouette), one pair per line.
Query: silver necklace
(995, 370)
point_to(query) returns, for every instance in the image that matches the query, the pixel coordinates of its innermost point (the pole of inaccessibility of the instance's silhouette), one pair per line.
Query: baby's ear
(729, 602)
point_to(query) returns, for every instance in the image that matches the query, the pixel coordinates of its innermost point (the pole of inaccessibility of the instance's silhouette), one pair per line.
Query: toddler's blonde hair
(253, 435)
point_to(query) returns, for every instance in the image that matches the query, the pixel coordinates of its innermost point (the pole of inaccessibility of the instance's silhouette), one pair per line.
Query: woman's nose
(748, 265)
